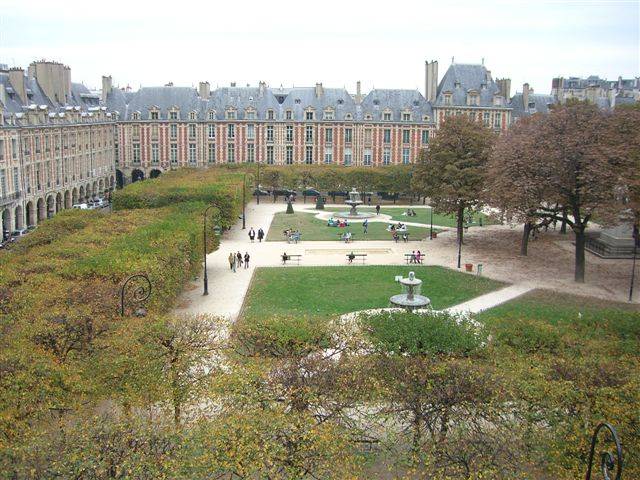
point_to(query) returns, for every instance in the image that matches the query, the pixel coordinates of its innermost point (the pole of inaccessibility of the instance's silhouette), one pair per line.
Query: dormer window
(416, 103)
(212, 115)
(447, 98)
(270, 115)
(135, 116)
(231, 114)
(328, 115)
(288, 114)
(456, 84)
(376, 102)
(386, 116)
(173, 115)
(155, 115)
(368, 117)
(192, 115)
(308, 115)
(406, 117)
(425, 118)
(251, 115)
(348, 116)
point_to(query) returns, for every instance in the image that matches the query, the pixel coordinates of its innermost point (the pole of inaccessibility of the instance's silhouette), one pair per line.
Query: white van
(81, 206)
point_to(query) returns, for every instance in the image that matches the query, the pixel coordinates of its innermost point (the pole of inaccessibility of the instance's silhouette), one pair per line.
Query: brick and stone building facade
(602, 92)
(56, 144)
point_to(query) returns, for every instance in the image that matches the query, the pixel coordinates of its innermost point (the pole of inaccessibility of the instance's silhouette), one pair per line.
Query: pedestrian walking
(239, 257)
(232, 259)
(246, 259)
(252, 234)
(260, 234)
(365, 225)
(378, 209)
(234, 263)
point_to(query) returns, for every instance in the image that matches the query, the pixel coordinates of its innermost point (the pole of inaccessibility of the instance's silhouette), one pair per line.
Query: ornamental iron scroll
(136, 289)
(608, 462)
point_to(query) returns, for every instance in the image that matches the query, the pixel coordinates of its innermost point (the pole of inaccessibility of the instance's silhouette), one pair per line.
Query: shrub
(423, 333)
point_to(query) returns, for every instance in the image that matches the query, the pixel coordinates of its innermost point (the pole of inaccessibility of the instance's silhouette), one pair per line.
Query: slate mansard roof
(537, 104)
(460, 79)
(80, 97)
(263, 99)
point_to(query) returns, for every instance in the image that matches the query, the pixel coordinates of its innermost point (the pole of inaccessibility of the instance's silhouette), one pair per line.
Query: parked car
(32, 227)
(311, 192)
(261, 192)
(81, 206)
(19, 232)
(99, 203)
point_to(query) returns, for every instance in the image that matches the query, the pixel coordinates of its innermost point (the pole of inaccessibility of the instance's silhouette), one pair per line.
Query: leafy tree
(452, 171)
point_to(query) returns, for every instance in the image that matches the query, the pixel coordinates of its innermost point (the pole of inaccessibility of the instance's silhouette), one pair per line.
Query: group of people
(237, 260)
(292, 235)
(346, 237)
(399, 227)
(410, 212)
(252, 234)
(337, 222)
(416, 257)
(396, 236)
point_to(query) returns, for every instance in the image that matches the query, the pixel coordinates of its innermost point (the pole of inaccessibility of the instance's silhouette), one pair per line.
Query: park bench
(409, 256)
(356, 256)
(291, 258)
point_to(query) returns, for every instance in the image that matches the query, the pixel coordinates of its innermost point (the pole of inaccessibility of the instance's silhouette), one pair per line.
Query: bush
(423, 333)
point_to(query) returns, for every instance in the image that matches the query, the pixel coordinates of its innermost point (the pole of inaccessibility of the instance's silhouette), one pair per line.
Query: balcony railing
(10, 198)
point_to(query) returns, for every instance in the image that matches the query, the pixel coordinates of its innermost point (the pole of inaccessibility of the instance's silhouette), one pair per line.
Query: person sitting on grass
(346, 236)
(395, 236)
(405, 237)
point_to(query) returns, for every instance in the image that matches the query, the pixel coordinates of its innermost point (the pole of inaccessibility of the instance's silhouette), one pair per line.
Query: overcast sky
(336, 42)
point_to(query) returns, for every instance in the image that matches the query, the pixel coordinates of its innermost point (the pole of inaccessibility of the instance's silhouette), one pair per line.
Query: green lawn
(314, 229)
(326, 291)
(422, 215)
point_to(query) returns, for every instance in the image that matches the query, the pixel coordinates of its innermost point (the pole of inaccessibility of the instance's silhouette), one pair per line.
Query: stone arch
(18, 217)
(137, 175)
(51, 206)
(74, 196)
(101, 186)
(112, 182)
(81, 194)
(155, 173)
(94, 190)
(6, 224)
(119, 179)
(68, 202)
(42, 210)
(88, 193)
(32, 218)
(59, 202)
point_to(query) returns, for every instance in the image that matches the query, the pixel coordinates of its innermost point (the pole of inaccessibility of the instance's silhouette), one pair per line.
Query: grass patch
(422, 215)
(328, 291)
(545, 321)
(315, 229)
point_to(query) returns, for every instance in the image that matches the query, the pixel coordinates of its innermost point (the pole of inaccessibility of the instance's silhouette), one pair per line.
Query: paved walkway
(490, 300)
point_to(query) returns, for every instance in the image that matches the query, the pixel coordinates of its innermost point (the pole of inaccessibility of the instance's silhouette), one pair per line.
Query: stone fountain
(353, 202)
(410, 297)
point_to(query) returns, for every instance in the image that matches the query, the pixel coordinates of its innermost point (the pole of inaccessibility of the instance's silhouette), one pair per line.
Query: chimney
(431, 80)
(106, 87)
(3, 95)
(262, 88)
(233, 84)
(204, 90)
(319, 90)
(505, 87)
(358, 92)
(16, 77)
(525, 97)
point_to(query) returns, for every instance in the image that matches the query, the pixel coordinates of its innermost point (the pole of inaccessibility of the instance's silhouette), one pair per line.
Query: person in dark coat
(246, 259)
(252, 234)
(239, 257)
(260, 235)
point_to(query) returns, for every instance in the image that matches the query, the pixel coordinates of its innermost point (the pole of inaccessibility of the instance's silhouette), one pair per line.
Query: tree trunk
(563, 227)
(460, 223)
(580, 242)
(528, 226)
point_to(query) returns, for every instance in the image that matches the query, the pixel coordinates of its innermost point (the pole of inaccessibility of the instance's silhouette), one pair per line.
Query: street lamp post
(636, 241)
(204, 250)
(431, 230)
(258, 189)
(244, 196)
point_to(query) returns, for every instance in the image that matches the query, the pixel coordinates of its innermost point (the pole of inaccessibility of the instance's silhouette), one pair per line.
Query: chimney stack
(358, 92)
(525, 97)
(16, 77)
(3, 95)
(505, 87)
(204, 90)
(262, 88)
(106, 87)
(319, 90)
(431, 80)
(233, 84)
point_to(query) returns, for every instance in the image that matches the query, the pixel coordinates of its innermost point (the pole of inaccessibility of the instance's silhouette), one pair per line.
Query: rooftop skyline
(330, 42)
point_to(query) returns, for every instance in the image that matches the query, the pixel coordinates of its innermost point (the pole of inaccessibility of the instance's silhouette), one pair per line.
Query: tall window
(3, 184)
(289, 155)
(497, 119)
(386, 116)
(289, 115)
(347, 157)
(367, 135)
(155, 154)
(308, 155)
(211, 157)
(309, 115)
(406, 136)
(348, 135)
(367, 157)
(192, 153)
(406, 117)
(425, 137)
(231, 153)
(16, 181)
(405, 156)
(136, 152)
(308, 133)
(173, 115)
(329, 135)
(289, 133)
(231, 131)
(328, 155)
(270, 115)
(251, 152)
(174, 153)
(485, 119)
(173, 130)
(154, 131)
(211, 130)
(386, 156)
(1, 149)
(154, 115)
(269, 133)
(270, 154)
(251, 131)
(387, 135)
(192, 130)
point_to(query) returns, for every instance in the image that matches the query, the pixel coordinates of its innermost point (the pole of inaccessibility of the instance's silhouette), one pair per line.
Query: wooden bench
(362, 256)
(289, 258)
(409, 256)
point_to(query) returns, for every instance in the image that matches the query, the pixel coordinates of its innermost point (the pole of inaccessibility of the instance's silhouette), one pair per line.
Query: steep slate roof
(540, 103)
(467, 77)
(398, 101)
(263, 99)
